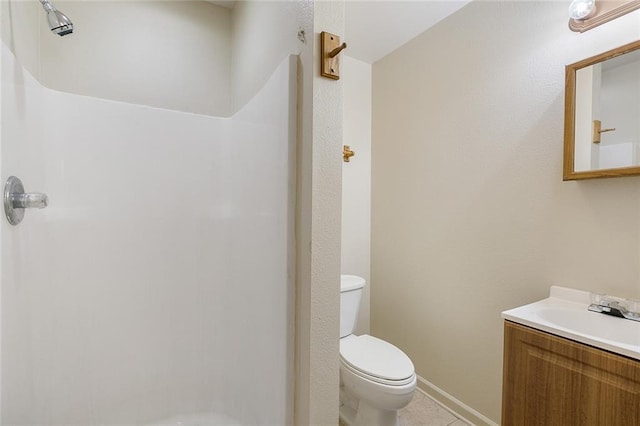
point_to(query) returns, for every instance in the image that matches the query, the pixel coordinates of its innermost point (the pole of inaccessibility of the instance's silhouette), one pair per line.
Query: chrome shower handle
(33, 200)
(16, 200)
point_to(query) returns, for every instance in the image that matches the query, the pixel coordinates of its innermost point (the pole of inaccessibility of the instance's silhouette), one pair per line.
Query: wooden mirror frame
(570, 115)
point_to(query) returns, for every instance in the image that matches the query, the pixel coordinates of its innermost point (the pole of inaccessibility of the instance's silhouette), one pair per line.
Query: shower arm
(46, 4)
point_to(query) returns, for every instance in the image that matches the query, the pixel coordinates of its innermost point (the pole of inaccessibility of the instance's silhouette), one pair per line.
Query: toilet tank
(351, 287)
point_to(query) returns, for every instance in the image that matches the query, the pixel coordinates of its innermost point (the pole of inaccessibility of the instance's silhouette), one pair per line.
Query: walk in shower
(156, 286)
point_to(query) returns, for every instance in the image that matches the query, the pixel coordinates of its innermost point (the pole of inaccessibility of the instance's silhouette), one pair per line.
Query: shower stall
(157, 285)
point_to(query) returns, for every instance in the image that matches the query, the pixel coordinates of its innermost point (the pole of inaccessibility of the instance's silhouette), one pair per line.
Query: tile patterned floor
(424, 411)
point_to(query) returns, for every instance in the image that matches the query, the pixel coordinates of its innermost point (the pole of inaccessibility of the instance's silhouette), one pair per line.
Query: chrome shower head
(58, 22)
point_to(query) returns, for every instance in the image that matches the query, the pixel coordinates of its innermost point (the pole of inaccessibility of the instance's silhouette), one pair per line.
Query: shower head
(58, 22)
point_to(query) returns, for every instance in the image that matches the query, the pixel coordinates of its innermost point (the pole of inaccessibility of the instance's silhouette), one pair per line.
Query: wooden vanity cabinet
(549, 380)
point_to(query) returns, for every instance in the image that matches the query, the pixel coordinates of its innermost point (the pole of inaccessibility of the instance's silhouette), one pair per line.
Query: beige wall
(469, 212)
(319, 181)
(166, 54)
(356, 178)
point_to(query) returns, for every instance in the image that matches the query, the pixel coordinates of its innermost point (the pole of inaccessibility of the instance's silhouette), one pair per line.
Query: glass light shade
(582, 9)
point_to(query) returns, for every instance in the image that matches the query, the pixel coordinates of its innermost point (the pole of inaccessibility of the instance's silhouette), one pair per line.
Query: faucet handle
(633, 307)
(33, 200)
(16, 200)
(623, 308)
(599, 299)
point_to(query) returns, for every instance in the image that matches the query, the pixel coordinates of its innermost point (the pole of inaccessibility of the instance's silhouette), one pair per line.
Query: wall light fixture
(587, 14)
(582, 9)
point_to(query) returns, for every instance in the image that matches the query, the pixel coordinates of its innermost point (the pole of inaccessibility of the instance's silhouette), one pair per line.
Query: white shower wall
(158, 282)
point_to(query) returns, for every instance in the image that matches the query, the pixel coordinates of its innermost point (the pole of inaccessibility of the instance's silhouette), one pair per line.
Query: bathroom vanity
(564, 365)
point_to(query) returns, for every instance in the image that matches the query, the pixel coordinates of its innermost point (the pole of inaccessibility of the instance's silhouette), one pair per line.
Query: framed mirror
(602, 115)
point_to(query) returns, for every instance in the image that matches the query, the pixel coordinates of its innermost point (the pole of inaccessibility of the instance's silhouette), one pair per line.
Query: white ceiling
(375, 28)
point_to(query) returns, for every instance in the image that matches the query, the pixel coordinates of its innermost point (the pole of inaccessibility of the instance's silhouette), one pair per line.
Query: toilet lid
(376, 358)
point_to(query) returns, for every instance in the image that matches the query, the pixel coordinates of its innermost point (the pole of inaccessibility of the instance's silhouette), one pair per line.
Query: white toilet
(376, 378)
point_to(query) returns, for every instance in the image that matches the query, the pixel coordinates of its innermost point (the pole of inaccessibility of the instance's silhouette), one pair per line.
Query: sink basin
(565, 314)
(594, 324)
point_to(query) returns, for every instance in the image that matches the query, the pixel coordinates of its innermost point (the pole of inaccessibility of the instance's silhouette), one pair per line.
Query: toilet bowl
(376, 377)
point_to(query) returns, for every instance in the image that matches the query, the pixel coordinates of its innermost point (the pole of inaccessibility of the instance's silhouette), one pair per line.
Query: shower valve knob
(29, 201)
(16, 200)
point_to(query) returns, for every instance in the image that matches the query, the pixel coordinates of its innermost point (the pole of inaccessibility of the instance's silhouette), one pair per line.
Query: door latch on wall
(347, 153)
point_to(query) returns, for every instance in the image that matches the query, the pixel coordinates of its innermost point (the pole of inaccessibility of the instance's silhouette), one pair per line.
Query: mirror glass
(602, 115)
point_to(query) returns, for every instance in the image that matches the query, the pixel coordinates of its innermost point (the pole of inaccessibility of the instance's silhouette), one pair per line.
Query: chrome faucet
(614, 307)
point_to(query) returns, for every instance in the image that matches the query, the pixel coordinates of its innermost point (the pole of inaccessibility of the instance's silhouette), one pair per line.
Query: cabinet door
(548, 380)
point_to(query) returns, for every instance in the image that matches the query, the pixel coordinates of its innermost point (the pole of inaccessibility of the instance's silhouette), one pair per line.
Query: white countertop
(565, 314)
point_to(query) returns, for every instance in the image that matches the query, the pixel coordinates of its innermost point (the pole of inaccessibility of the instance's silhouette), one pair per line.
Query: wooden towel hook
(330, 47)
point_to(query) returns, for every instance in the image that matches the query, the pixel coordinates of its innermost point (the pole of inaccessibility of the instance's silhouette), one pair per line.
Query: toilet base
(368, 415)
(359, 413)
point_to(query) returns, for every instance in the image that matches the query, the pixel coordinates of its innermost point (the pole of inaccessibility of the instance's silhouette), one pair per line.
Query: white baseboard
(454, 405)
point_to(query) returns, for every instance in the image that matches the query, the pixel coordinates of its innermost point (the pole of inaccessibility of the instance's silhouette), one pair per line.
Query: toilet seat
(376, 360)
